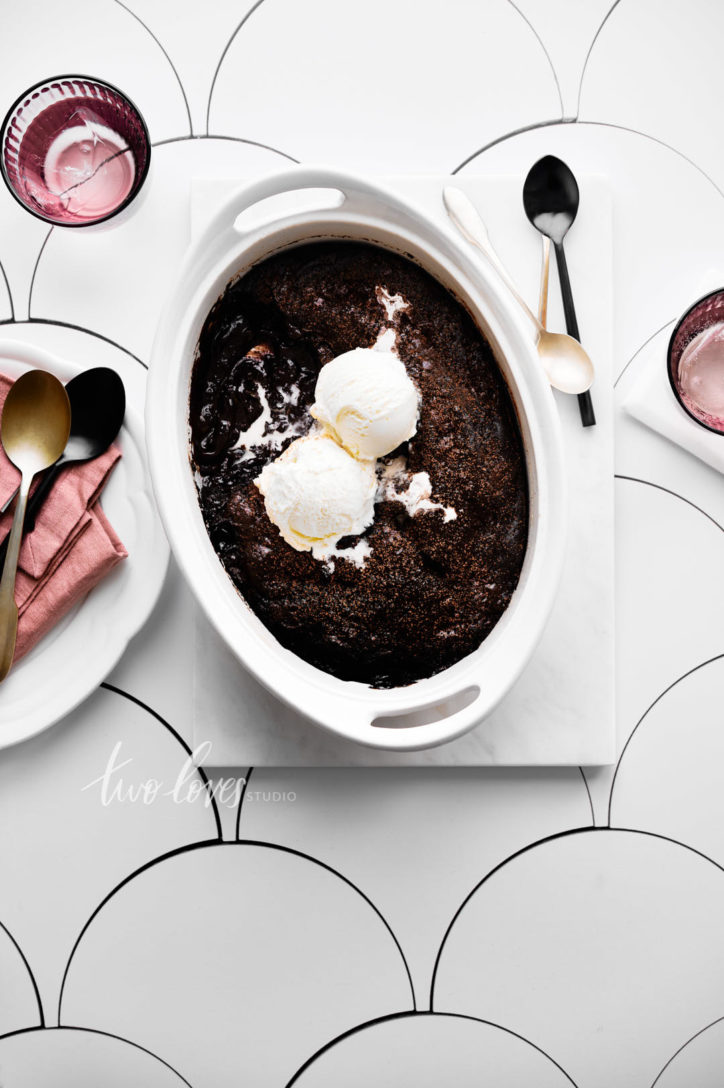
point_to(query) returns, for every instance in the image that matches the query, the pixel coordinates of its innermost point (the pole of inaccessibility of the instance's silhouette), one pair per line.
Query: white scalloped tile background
(340, 927)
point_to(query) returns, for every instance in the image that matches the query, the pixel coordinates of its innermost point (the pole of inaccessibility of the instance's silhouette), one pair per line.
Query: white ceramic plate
(71, 661)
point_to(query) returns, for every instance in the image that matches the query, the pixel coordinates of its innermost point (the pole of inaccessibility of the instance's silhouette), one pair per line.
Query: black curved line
(605, 19)
(24, 1031)
(28, 968)
(508, 136)
(590, 799)
(3, 273)
(541, 43)
(220, 61)
(701, 665)
(599, 124)
(253, 143)
(668, 491)
(664, 838)
(106, 1034)
(544, 842)
(639, 349)
(166, 55)
(517, 1035)
(65, 324)
(78, 328)
(35, 269)
(675, 1055)
(232, 139)
(511, 857)
(371, 1024)
(126, 880)
(662, 143)
(249, 773)
(176, 140)
(676, 495)
(351, 884)
(212, 843)
(258, 4)
(348, 1034)
(199, 770)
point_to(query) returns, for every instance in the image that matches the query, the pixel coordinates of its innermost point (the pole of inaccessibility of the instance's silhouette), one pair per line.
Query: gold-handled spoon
(565, 362)
(544, 278)
(34, 430)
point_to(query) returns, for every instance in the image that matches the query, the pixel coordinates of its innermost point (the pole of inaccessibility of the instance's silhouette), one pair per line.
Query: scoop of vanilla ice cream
(367, 400)
(315, 493)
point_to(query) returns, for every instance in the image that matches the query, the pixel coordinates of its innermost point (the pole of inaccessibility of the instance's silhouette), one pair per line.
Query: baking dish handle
(390, 730)
(356, 195)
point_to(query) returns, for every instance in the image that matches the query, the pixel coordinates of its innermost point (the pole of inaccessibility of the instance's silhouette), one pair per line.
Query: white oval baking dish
(434, 710)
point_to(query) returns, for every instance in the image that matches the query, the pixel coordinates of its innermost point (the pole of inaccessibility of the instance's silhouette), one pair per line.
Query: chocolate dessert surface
(431, 589)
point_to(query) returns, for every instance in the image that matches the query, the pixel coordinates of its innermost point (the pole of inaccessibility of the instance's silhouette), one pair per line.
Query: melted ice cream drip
(413, 490)
(255, 434)
(357, 555)
(392, 305)
(386, 341)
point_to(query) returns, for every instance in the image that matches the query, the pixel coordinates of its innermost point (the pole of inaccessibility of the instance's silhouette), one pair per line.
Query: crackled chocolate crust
(431, 591)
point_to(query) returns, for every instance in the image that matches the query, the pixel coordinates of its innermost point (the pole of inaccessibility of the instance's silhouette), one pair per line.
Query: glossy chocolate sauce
(431, 590)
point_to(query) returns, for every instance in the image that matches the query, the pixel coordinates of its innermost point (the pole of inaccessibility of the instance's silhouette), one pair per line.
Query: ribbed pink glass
(704, 314)
(75, 151)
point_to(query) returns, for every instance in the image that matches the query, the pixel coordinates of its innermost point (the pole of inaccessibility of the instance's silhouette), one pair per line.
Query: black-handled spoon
(97, 404)
(550, 199)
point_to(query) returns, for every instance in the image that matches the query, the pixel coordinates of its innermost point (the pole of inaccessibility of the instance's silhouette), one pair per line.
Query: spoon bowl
(34, 430)
(98, 405)
(566, 363)
(35, 421)
(551, 197)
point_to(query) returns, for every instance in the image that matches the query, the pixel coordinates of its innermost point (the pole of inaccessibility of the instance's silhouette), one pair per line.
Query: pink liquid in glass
(701, 375)
(90, 169)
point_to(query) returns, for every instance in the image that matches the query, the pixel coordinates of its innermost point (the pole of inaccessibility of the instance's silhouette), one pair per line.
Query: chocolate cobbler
(431, 586)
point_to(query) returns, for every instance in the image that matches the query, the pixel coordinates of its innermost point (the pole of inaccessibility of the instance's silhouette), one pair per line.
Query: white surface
(669, 779)
(384, 102)
(561, 711)
(654, 59)
(563, 929)
(104, 833)
(354, 206)
(256, 913)
(586, 911)
(394, 838)
(88, 642)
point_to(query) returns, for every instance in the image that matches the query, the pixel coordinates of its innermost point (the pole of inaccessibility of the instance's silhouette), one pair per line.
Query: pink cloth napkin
(72, 547)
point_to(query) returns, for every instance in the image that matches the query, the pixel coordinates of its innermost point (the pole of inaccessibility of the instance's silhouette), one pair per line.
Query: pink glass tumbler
(695, 362)
(75, 151)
